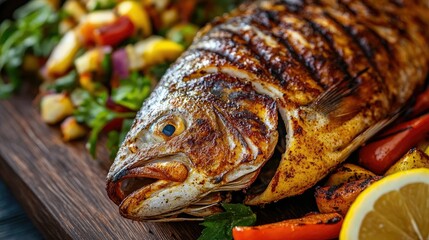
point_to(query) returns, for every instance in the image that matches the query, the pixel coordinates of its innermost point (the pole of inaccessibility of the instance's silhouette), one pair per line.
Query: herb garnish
(219, 226)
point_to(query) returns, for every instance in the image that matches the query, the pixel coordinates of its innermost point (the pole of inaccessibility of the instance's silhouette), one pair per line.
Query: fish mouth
(139, 182)
(163, 190)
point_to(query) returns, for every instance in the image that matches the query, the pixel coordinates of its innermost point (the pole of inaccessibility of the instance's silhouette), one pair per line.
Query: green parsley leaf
(93, 112)
(132, 91)
(219, 226)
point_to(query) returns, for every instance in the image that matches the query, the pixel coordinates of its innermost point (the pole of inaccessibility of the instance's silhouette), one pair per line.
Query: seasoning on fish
(335, 72)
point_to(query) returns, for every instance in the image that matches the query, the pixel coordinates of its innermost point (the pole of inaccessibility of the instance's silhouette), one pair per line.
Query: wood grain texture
(61, 187)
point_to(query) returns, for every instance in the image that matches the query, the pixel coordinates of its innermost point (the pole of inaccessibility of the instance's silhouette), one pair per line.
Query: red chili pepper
(422, 103)
(315, 226)
(115, 32)
(379, 155)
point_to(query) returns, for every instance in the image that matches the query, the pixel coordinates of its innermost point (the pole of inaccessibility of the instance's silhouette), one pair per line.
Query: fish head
(186, 146)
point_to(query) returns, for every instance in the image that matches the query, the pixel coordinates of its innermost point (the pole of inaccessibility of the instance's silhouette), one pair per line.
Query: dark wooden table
(14, 223)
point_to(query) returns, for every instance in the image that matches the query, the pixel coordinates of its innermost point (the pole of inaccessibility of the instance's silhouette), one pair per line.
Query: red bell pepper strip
(381, 154)
(316, 226)
(115, 32)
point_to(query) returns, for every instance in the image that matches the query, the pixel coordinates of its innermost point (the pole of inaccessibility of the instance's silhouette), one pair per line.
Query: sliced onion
(120, 63)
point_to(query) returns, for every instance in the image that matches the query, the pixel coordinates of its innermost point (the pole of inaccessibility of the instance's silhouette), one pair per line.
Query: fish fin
(370, 132)
(330, 101)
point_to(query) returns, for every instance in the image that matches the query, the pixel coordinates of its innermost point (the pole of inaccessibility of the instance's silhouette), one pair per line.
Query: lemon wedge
(396, 207)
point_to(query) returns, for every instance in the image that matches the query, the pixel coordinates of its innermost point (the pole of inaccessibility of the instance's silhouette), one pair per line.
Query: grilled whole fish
(334, 71)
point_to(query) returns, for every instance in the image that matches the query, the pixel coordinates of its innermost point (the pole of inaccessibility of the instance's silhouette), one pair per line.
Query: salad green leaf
(67, 82)
(219, 226)
(34, 30)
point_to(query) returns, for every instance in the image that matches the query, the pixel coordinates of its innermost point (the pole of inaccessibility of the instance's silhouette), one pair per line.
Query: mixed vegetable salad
(99, 59)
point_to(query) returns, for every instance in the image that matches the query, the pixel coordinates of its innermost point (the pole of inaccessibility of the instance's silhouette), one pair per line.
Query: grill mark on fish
(289, 69)
(293, 5)
(371, 10)
(346, 7)
(312, 72)
(225, 49)
(293, 71)
(382, 40)
(328, 38)
(267, 65)
(361, 41)
(318, 57)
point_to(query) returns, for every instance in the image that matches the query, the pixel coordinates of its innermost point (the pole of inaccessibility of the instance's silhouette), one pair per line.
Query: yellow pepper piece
(89, 61)
(62, 56)
(161, 51)
(137, 14)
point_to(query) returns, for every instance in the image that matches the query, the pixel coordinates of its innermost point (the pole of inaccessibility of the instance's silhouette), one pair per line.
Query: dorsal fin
(331, 99)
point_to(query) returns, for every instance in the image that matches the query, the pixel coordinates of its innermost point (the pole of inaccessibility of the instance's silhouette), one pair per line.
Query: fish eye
(168, 130)
(168, 127)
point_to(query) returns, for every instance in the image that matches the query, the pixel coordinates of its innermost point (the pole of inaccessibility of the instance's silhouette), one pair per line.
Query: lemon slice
(396, 207)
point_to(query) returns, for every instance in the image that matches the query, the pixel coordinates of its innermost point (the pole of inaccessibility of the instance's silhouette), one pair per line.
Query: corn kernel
(137, 14)
(55, 107)
(62, 56)
(71, 129)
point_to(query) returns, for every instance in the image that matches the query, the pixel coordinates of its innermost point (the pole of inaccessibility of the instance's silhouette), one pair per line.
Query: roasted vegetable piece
(55, 107)
(71, 129)
(62, 56)
(115, 32)
(384, 151)
(348, 173)
(414, 158)
(338, 198)
(315, 226)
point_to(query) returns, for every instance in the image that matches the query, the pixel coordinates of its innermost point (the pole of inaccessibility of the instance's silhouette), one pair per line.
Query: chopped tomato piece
(115, 32)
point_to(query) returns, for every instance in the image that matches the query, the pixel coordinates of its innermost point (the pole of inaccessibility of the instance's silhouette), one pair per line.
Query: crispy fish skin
(336, 71)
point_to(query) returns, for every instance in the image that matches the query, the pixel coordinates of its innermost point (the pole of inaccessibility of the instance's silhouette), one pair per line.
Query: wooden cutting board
(63, 189)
